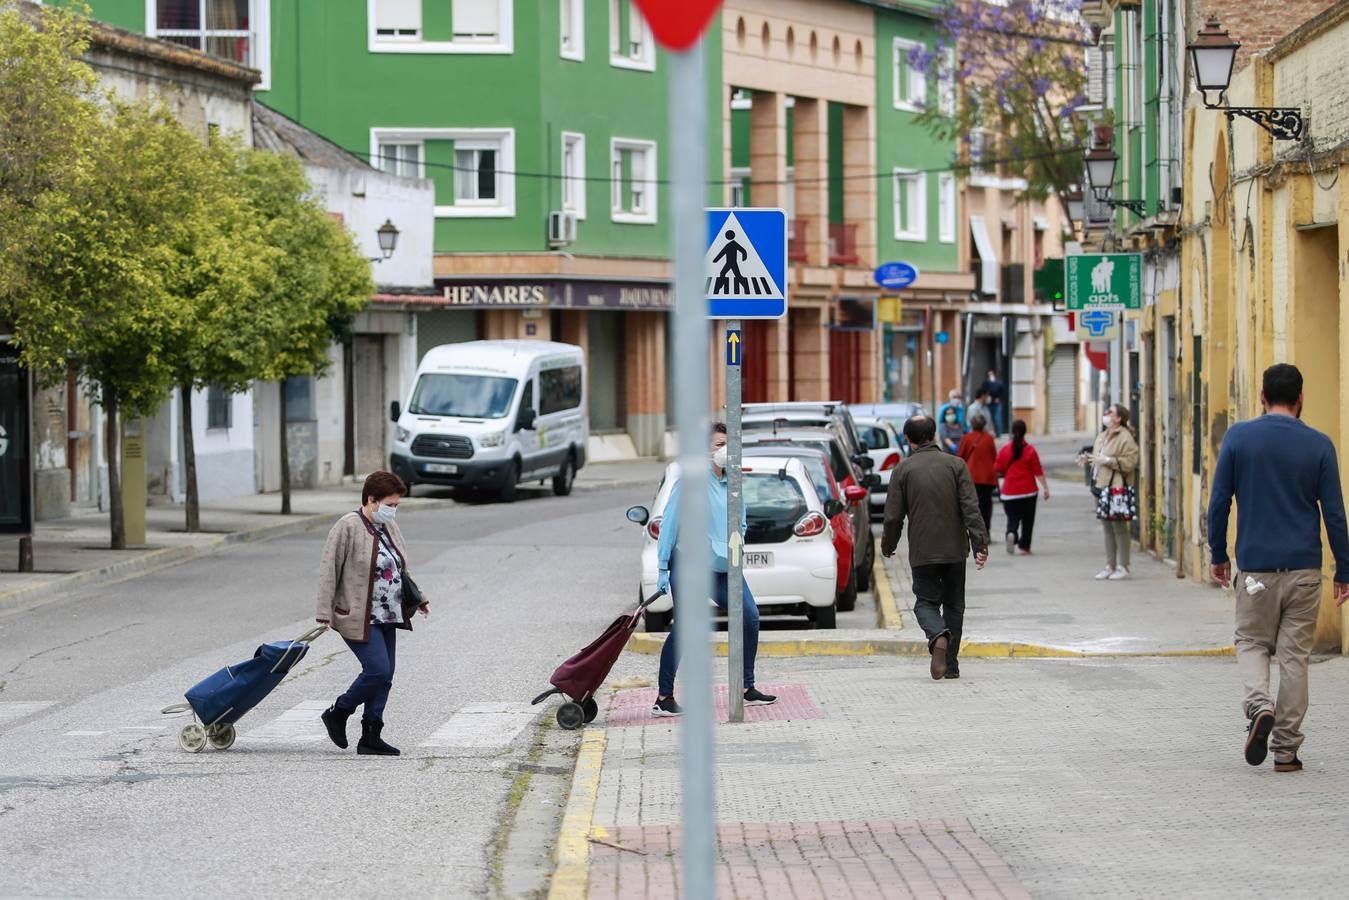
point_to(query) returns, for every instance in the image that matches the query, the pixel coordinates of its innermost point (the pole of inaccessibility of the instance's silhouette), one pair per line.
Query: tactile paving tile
(633, 707)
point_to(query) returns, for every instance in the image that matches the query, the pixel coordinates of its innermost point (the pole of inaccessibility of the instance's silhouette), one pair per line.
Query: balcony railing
(796, 245)
(842, 244)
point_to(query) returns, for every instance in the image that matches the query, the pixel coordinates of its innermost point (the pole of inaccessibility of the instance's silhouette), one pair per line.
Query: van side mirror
(395, 411)
(638, 515)
(524, 421)
(833, 507)
(872, 481)
(866, 462)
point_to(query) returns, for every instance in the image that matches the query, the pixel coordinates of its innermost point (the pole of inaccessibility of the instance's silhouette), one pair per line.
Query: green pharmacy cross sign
(1104, 281)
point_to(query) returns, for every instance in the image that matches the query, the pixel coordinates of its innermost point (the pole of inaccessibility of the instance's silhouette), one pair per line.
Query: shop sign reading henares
(559, 295)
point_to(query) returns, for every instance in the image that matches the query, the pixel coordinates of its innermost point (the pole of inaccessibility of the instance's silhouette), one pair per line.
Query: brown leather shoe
(938, 667)
(1257, 737)
(1290, 765)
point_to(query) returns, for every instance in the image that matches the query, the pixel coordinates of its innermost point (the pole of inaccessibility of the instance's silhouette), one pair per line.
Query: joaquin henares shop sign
(556, 295)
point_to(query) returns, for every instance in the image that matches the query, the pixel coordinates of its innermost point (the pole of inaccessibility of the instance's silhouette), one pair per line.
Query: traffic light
(1047, 282)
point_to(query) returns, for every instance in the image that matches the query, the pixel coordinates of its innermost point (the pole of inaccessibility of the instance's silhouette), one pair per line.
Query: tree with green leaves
(319, 281)
(1021, 68)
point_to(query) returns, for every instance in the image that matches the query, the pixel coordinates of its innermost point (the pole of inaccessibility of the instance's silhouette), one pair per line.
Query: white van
(494, 414)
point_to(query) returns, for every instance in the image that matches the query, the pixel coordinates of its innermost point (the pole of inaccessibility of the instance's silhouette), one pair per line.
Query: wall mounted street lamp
(1101, 163)
(1077, 207)
(1211, 58)
(388, 240)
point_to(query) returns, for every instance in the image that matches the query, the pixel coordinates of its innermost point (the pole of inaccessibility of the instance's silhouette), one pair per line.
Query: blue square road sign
(745, 266)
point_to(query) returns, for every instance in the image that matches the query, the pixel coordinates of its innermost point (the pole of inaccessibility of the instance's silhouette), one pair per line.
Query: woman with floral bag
(1115, 458)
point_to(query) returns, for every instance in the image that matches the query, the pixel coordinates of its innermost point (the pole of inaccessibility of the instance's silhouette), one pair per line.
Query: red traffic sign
(677, 24)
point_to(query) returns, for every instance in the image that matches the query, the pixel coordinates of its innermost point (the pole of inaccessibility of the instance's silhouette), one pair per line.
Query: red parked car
(816, 461)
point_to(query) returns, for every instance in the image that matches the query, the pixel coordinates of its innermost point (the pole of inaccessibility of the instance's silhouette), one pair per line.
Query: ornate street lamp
(1212, 55)
(1101, 163)
(1077, 207)
(388, 240)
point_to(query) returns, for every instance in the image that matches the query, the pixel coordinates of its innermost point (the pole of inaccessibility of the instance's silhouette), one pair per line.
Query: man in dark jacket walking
(1286, 481)
(934, 491)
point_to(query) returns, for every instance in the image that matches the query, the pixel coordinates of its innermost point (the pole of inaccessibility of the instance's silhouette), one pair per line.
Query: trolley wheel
(221, 737)
(192, 738)
(571, 716)
(590, 708)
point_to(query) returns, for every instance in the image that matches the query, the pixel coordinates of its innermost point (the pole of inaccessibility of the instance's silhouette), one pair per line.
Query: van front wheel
(507, 493)
(565, 477)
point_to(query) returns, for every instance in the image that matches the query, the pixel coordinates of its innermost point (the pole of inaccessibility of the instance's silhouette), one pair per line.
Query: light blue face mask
(384, 513)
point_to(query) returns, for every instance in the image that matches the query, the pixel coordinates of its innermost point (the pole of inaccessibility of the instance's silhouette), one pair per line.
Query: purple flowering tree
(1011, 78)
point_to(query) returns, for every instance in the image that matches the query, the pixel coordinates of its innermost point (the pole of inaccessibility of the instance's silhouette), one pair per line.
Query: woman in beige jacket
(360, 596)
(1115, 458)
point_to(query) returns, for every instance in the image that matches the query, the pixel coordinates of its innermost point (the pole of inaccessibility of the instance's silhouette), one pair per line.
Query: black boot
(371, 744)
(335, 720)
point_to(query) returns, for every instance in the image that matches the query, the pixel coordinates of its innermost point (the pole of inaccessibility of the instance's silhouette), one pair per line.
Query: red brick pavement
(633, 707)
(931, 858)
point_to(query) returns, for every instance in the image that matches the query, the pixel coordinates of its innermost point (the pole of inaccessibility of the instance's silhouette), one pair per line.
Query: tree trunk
(190, 460)
(285, 456)
(116, 518)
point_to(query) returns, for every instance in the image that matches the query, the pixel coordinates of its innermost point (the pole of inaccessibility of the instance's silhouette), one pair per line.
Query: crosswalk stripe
(83, 733)
(482, 726)
(300, 723)
(17, 709)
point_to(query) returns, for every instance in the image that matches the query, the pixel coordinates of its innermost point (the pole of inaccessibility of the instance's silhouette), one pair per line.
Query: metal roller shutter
(445, 327)
(1063, 390)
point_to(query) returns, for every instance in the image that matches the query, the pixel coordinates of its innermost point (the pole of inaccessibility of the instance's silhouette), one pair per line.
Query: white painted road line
(17, 709)
(300, 723)
(483, 726)
(84, 733)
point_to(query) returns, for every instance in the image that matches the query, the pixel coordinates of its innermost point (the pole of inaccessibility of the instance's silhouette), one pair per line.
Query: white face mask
(719, 457)
(1108, 420)
(384, 513)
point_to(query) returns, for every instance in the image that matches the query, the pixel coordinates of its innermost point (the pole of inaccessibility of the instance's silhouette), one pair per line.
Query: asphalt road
(97, 799)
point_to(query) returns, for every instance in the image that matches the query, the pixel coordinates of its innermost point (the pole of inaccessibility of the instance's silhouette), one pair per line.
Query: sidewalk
(1045, 778)
(73, 551)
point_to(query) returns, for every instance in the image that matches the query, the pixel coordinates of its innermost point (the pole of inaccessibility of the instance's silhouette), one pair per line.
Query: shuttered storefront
(1063, 390)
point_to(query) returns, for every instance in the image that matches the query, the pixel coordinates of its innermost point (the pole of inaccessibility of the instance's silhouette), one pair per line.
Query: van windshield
(466, 396)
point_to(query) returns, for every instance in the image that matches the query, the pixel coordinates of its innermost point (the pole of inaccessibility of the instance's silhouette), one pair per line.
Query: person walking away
(952, 432)
(1023, 481)
(1115, 456)
(953, 402)
(361, 595)
(935, 494)
(1280, 471)
(672, 537)
(979, 450)
(980, 407)
(996, 389)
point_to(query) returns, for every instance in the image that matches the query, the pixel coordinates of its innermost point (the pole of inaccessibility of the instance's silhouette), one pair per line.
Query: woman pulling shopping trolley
(367, 595)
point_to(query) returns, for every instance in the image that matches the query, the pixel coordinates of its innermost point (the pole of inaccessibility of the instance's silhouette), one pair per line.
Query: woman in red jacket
(1019, 467)
(979, 451)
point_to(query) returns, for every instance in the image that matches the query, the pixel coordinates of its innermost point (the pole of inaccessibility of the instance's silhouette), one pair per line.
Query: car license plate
(440, 468)
(758, 560)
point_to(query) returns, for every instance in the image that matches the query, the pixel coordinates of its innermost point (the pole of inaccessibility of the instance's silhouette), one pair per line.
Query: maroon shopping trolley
(580, 677)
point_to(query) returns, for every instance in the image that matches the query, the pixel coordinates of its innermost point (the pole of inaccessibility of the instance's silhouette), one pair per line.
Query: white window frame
(946, 207)
(504, 205)
(646, 62)
(379, 158)
(917, 78)
(946, 87)
(259, 35)
(503, 45)
(738, 176)
(616, 211)
(917, 206)
(576, 178)
(572, 12)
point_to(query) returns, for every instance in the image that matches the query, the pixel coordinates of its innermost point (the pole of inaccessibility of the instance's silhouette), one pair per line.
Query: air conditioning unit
(561, 228)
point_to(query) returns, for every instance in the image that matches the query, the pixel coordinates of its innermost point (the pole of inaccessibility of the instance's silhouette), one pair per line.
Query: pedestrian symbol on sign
(732, 252)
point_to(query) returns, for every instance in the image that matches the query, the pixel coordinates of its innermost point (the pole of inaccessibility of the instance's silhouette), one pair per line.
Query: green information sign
(1104, 281)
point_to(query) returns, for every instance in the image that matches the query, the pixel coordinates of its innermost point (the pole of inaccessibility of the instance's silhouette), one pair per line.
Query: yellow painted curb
(648, 643)
(887, 608)
(571, 878)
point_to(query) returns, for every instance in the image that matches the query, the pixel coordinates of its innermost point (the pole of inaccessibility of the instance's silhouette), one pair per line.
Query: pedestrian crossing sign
(745, 267)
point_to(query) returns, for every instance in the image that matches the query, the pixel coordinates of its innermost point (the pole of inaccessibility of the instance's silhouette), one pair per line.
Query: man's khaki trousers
(1279, 621)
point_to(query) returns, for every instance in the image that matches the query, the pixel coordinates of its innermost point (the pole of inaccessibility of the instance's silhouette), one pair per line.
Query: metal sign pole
(735, 594)
(693, 621)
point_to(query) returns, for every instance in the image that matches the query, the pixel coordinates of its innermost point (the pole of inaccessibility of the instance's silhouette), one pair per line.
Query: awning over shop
(988, 259)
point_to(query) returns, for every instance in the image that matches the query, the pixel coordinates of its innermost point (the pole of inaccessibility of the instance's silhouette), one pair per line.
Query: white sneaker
(1011, 543)
(1105, 573)
(1119, 574)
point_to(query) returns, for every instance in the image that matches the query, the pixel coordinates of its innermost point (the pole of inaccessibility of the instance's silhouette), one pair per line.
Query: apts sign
(1104, 281)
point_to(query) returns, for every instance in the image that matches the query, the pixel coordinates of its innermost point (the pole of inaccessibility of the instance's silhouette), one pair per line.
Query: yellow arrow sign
(733, 348)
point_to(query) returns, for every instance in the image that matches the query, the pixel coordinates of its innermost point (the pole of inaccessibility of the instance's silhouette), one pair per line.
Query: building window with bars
(236, 30)
(219, 407)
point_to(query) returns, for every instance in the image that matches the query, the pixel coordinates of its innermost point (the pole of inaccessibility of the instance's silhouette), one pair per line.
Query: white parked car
(886, 449)
(789, 560)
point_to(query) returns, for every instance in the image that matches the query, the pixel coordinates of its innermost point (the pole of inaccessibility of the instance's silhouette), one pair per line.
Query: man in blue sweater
(1280, 472)
(716, 533)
